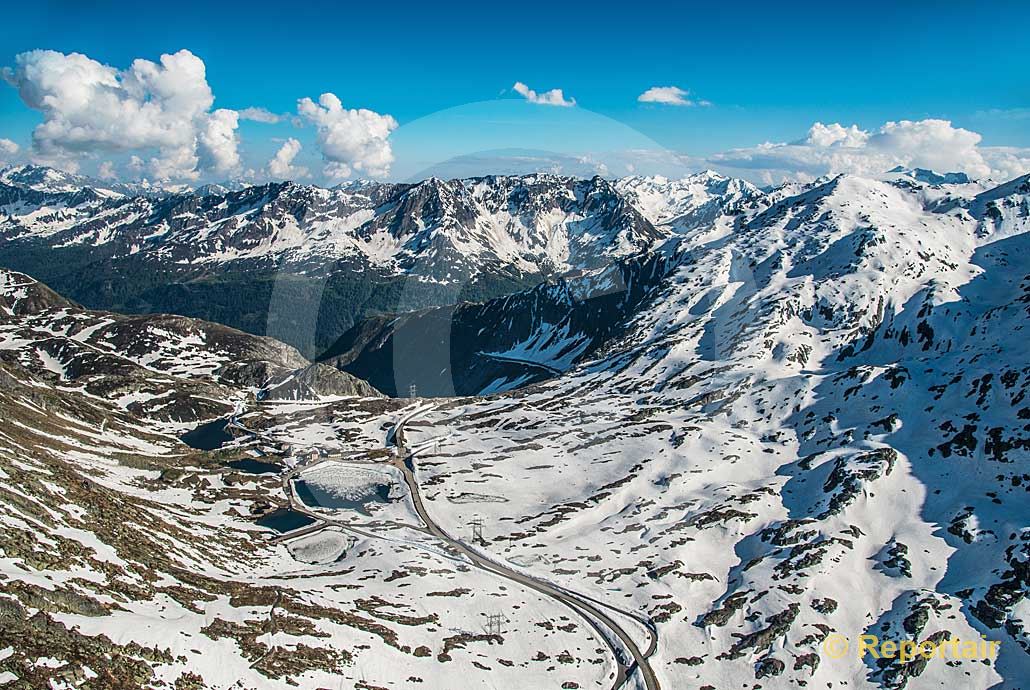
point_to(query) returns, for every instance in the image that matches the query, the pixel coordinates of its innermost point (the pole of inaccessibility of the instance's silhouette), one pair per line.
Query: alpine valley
(513, 432)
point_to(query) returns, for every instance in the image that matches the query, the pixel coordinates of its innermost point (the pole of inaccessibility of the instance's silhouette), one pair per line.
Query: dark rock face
(769, 666)
(511, 341)
(778, 623)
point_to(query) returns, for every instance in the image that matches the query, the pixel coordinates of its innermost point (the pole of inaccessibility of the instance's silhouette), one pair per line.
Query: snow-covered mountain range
(894, 232)
(446, 230)
(215, 253)
(742, 422)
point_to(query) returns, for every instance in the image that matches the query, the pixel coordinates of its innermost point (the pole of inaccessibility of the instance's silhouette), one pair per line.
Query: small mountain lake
(316, 496)
(252, 466)
(208, 436)
(285, 520)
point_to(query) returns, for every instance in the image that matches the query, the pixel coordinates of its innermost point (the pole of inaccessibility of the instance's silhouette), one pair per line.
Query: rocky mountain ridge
(804, 420)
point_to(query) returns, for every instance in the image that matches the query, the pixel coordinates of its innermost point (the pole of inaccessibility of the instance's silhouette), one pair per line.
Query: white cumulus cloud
(218, 142)
(106, 171)
(260, 115)
(281, 165)
(829, 135)
(552, 97)
(8, 147)
(669, 95)
(933, 144)
(833, 148)
(1007, 162)
(161, 109)
(351, 140)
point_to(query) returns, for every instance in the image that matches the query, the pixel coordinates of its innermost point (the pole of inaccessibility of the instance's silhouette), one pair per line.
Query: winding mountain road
(585, 607)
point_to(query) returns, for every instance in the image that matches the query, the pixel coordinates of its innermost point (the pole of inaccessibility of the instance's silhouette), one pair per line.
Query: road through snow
(585, 607)
(607, 628)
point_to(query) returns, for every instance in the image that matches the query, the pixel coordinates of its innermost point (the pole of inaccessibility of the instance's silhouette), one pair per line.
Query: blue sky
(769, 71)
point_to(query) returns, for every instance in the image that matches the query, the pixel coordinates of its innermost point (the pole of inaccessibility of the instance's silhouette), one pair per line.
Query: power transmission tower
(477, 530)
(412, 391)
(495, 624)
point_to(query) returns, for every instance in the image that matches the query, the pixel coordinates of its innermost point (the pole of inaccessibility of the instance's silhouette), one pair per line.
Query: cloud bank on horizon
(828, 149)
(156, 120)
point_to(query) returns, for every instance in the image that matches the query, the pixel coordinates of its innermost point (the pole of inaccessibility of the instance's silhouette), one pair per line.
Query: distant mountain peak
(931, 177)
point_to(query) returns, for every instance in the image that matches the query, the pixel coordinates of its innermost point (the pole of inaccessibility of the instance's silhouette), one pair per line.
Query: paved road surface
(587, 608)
(584, 606)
